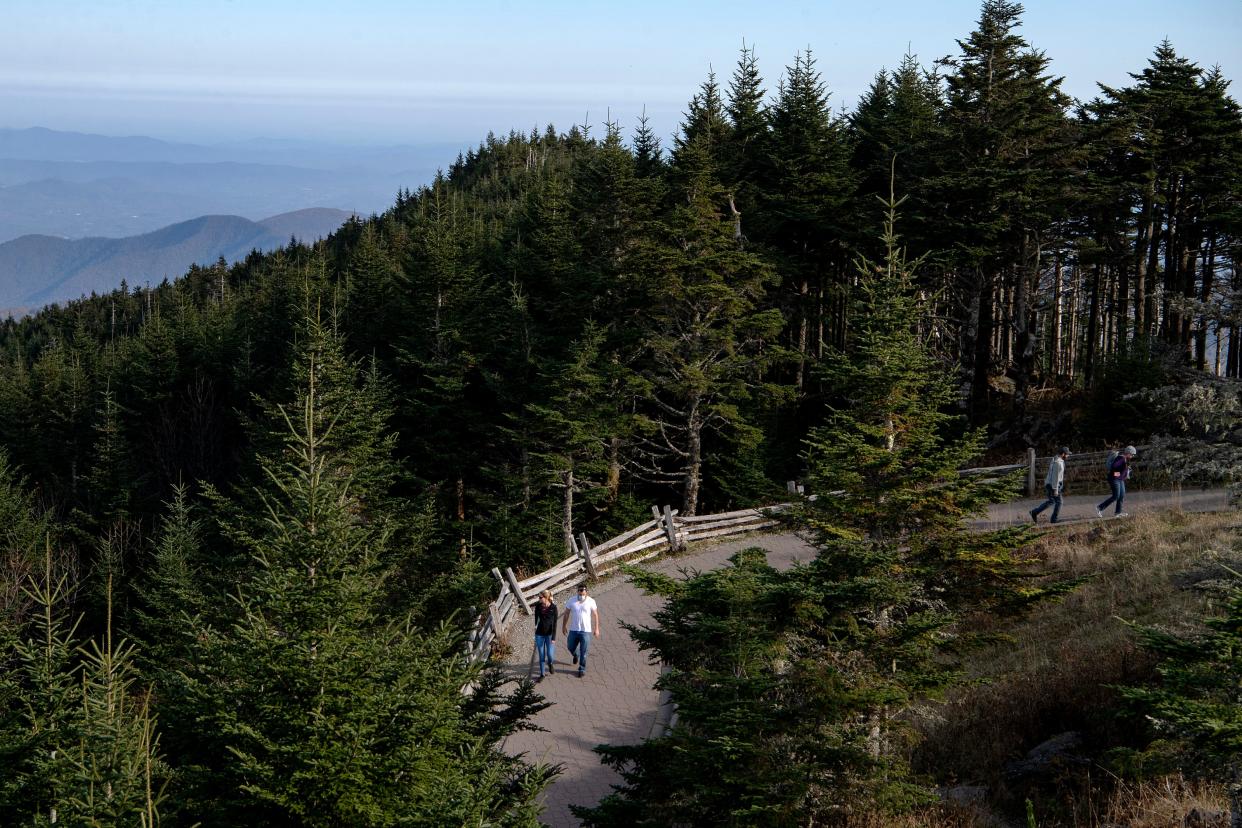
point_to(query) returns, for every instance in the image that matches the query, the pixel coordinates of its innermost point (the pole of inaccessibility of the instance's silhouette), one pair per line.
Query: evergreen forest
(248, 513)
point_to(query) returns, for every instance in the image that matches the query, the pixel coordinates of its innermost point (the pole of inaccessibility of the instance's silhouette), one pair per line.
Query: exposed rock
(965, 794)
(1213, 577)
(1052, 754)
(1203, 818)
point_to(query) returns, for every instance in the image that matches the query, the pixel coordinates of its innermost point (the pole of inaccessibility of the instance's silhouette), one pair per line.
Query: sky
(390, 72)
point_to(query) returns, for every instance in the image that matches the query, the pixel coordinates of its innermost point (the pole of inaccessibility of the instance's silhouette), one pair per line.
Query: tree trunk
(1205, 296)
(1171, 323)
(1123, 307)
(1024, 344)
(694, 461)
(614, 469)
(461, 510)
(567, 511)
(1055, 356)
(982, 356)
(1142, 240)
(1093, 327)
(803, 329)
(1152, 323)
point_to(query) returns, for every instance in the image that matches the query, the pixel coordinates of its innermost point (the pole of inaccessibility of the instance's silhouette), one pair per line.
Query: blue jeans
(1118, 487)
(546, 648)
(579, 642)
(1054, 500)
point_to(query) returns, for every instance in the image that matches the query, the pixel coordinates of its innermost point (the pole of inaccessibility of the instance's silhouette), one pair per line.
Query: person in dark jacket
(1118, 474)
(545, 630)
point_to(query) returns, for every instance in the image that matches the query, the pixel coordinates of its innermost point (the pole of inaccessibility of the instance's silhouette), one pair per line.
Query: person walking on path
(581, 623)
(545, 631)
(1118, 474)
(1054, 486)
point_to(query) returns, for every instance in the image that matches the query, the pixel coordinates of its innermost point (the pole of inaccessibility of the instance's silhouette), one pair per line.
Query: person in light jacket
(1054, 486)
(581, 622)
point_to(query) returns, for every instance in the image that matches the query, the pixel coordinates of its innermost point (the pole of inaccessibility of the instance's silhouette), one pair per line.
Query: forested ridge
(559, 330)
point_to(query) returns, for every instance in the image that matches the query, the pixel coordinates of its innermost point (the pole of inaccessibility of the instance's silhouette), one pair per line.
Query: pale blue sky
(379, 71)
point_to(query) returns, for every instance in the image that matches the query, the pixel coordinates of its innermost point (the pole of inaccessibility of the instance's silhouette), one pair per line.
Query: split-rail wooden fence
(666, 531)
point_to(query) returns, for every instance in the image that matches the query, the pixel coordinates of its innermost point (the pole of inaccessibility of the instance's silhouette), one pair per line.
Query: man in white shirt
(1054, 486)
(581, 622)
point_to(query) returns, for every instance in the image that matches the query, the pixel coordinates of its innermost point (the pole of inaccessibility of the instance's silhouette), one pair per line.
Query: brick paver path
(615, 702)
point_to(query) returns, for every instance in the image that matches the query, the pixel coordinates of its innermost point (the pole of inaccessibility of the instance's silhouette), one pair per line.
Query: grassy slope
(1053, 671)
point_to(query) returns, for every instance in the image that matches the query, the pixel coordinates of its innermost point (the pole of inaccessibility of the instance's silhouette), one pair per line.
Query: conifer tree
(41, 717)
(1194, 708)
(707, 339)
(374, 292)
(576, 427)
(116, 772)
(894, 133)
(749, 130)
(701, 147)
(648, 156)
(806, 187)
(1001, 182)
(78, 744)
(326, 706)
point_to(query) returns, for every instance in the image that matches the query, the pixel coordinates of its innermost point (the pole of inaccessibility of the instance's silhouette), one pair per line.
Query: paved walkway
(1081, 508)
(615, 702)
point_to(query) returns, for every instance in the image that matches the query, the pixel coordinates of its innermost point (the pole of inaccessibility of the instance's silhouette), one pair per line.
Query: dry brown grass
(1053, 671)
(1158, 803)
(941, 816)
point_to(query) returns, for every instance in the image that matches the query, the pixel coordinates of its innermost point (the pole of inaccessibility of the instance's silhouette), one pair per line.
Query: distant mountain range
(36, 270)
(77, 185)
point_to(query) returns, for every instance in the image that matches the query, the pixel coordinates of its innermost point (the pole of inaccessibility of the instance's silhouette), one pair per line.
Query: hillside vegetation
(38, 270)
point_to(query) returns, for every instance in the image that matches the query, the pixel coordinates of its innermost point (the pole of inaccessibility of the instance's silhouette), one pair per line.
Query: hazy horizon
(391, 73)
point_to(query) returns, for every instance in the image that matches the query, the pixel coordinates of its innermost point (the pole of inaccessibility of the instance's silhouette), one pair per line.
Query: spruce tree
(1000, 183)
(747, 146)
(706, 339)
(42, 716)
(1194, 708)
(325, 705)
(701, 146)
(648, 156)
(801, 217)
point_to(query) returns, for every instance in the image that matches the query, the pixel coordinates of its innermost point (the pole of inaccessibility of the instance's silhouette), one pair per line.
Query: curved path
(615, 703)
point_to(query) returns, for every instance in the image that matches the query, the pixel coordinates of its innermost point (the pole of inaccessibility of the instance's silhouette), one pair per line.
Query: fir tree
(706, 340)
(805, 190)
(330, 708)
(1001, 183)
(1194, 708)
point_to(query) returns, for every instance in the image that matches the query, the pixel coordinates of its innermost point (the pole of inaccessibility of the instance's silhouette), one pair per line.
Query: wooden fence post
(585, 548)
(495, 616)
(670, 529)
(517, 590)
